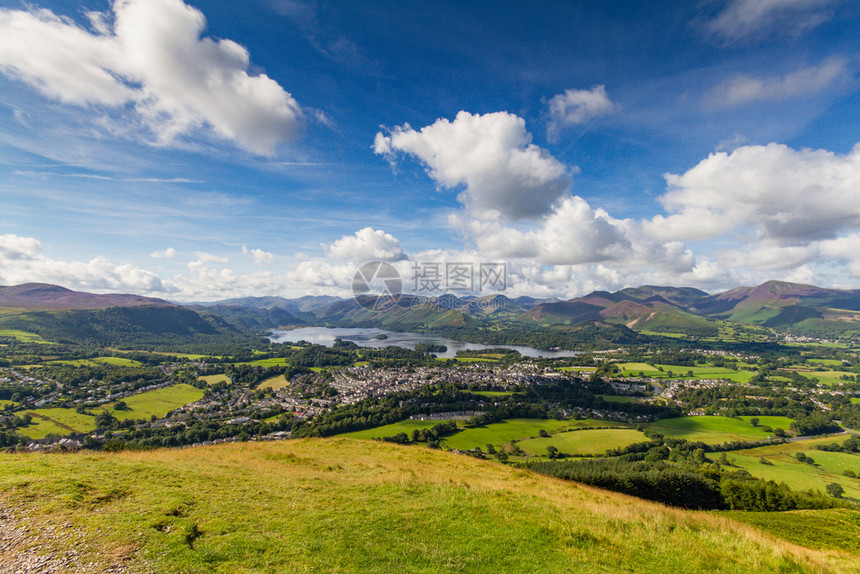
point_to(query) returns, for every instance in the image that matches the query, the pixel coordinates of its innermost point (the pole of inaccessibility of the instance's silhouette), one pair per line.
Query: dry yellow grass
(361, 506)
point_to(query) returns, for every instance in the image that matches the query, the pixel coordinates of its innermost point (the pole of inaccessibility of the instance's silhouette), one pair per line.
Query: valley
(745, 420)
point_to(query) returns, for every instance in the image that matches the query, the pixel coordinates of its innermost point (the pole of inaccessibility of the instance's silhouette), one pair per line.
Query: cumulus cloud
(14, 247)
(149, 54)
(782, 194)
(366, 244)
(492, 156)
(744, 89)
(748, 19)
(576, 107)
(168, 253)
(21, 261)
(573, 233)
(844, 249)
(259, 255)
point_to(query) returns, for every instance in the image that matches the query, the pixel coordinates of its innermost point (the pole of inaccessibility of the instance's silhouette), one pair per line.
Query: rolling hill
(44, 296)
(658, 309)
(343, 505)
(56, 312)
(802, 309)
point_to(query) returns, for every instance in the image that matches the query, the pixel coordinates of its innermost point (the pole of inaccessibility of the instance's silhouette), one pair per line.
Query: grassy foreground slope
(345, 505)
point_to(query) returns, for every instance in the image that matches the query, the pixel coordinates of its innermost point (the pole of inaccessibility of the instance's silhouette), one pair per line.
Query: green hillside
(343, 505)
(119, 325)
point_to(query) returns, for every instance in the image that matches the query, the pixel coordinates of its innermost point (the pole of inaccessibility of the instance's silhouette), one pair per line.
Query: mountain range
(58, 312)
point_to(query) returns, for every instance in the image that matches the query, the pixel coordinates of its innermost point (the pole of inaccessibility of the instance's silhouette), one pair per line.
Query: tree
(121, 406)
(105, 420)
(754, 421)
(779, 432)
(552, 452)
(543, 433)
(835, 490)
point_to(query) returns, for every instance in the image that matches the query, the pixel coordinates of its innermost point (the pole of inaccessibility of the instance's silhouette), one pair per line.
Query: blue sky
(207, 150)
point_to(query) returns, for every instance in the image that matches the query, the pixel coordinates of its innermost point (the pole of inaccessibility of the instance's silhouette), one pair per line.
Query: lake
(367, 338)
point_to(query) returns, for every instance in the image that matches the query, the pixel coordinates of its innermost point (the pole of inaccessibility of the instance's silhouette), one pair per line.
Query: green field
(66, 421)
(505, 431)
(406, 426)
(158, 402)
(22, 336)
(278, 382)
(189, 356)
(633, 369)
(116, 361)
(213, 379)
(618, 399)
(798, 475)
(492, 393)
(273, 362)
(769, 421)
(340, 505)
(679, 371)
(710, 429)
(596, 441)
(4, 402)
(468, 359)
(829, 378)
(56, 421)
(826, 362)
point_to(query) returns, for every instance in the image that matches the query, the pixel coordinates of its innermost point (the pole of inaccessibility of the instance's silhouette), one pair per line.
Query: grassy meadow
(158, 402)
(784, 467)
(278, 382)
(342, 505)
(214, 379)
(505, 431)
(115, 361)
(714, 430)
(22, 336)
(406, 426)
(594, 441)
(62, 421)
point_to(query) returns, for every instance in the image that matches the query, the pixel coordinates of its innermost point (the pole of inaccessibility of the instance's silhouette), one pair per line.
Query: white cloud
(366, 244)
(492, 156)
(168, 253)
(572, 234)
(150, 55)
(785, 195)
(745, 89)
(203, 257)
(14, 247)
(845, 250)
(577, 107)
(748, 19)
(259, 255)
(21, 261)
